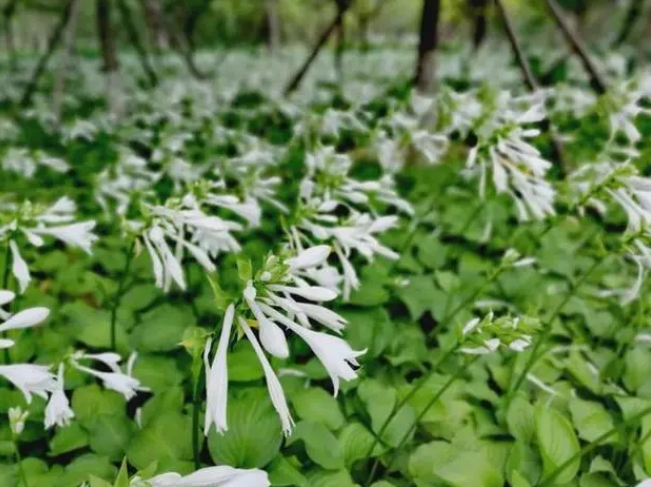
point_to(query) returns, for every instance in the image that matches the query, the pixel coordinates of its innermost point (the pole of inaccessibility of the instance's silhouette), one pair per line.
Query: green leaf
(81, 467)
(331, 479)
(157, 372)
(356, 441)
(557, 443)
(590, 419)
(166, 439)
(254, 432)
(370, 329)
(169, 401)
(380, 402)
(283, 473)
(431, 252)
(89, 403)
(97, 482)
(244, 270)
(123, 475)
(520, 419)
(161, 329)
(317, 405)
(646, 446)
(320, 444)
(68, 439)
(457, 467)
(109, 436)
(419, 295)
(243, 363)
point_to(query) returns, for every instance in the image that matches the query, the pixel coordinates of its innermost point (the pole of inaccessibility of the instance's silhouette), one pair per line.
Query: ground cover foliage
(499, 298)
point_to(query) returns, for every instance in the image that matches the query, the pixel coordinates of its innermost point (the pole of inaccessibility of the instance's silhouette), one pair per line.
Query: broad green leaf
(331, 479)
(320, 444)
(110, 435)
(356, 442)
(243, 364)
(283, 472)
(590, 419)
(89, 403)
(166, 439)
(254, 432)
(380, 402)
(520, 419)
(68, 439)
(317, 405)
(161, 329)
(557, 442)
(440, 461)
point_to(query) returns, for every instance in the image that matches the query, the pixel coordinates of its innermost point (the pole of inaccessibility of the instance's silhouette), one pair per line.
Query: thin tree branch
(325, 35)
(427, 46)
(55, 38)
(573, 39)
(634, 12)
(132, 32)
(58, 94)
(530, 81)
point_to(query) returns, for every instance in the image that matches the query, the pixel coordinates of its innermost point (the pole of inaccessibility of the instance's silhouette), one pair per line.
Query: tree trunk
(341, 40)
(325, 35)
(110, 64)
(273, 24)
(58, 94)
(634, 12)
(8, 14)
(576, 43)
(132, 32)
(53, 42)
(479, 12)
(154, 19)
(424, 78)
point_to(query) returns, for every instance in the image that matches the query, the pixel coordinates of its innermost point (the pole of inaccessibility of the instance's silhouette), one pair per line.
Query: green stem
(400, 405)
(542, 338)
(19, 462)
(5, 285)
(549, 479)
(196, 407)
(118, 296)
(420, 416)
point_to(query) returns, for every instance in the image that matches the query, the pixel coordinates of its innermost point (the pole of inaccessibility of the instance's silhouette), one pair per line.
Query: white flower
(120, 382)
(17, 418)
(76, 235)
(272, 337)
(217, 377)
(334, 353)
(25, 319)
(222, 476)
(489, 347)
(19, 267)
(276, 392)
(57, 411)
(29, 379)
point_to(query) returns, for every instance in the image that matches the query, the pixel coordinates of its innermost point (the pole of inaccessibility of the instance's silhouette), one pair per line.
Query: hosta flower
(179, 227)
(616, 182)
(116, 380)
(279, 295)
(489, 334)
(17, 418)
(222, 476)
(28, 223)
(28, 378)
(57, 411)
(622, 105)
(504, 154)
